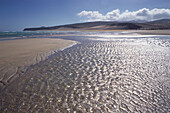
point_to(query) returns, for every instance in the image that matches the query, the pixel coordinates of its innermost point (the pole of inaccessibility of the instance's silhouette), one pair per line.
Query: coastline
(152, 32)
(17, 55)
(141, 32)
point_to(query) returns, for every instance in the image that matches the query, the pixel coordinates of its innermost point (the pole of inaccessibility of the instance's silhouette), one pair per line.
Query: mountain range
(162, 24)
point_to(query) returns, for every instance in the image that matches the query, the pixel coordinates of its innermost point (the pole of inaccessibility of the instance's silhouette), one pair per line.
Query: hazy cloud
(116, 15)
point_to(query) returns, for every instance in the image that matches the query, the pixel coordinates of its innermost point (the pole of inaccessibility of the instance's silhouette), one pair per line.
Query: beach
(84, 56)
(152, 32)
(139, 32)
(17, 55)
(104, 72)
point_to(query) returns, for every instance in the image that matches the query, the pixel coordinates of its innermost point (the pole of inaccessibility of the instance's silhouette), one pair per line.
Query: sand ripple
(97, 76)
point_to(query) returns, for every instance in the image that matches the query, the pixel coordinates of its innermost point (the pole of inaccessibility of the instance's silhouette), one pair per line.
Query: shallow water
(117, 75)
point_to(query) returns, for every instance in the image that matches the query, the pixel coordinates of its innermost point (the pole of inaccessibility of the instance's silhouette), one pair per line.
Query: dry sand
(152, 32)
(17, 55)
(142, 32)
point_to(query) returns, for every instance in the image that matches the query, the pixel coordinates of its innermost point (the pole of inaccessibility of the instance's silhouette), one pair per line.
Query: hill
(110, 25)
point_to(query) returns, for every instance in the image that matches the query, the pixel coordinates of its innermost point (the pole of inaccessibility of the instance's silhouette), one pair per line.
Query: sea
(106, 72)
(28, 34)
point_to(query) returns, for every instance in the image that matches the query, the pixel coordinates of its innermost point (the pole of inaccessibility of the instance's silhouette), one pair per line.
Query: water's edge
(21, 70)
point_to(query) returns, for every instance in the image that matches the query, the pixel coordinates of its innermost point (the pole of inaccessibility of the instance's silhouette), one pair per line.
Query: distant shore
(17, 55)
(141, 32)
(152, 32)
(156, 27)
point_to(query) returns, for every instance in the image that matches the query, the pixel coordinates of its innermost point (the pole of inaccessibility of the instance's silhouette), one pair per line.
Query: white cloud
(115, 15)
(91, 15)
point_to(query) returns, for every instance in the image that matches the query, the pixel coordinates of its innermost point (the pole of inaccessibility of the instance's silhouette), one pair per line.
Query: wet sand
(142, 32)
(100, 76)
(17, 55)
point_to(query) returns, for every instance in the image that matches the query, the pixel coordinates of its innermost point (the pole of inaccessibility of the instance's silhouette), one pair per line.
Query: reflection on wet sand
(96, 76)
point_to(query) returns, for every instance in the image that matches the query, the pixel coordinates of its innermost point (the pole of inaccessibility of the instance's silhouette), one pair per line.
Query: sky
(15, 15)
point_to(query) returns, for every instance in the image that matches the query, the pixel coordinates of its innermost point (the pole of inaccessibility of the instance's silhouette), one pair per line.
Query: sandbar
(17, 55)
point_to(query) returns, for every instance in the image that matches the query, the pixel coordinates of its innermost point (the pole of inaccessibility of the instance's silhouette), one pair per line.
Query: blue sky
(17, 14)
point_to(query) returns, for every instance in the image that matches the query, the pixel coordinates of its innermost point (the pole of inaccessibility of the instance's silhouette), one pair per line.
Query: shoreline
(141, 32)
(17, 55)
(152, 32)
(14, 64)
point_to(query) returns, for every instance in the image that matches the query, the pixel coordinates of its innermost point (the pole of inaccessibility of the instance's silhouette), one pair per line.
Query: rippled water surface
(115, 75)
